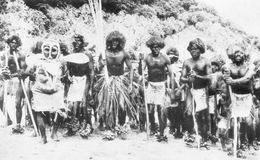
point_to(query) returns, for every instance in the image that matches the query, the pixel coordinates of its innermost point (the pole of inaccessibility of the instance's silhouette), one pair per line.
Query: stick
(235, 125)
(194, 119)
(26, 96)
(146, 107)
(5, 111)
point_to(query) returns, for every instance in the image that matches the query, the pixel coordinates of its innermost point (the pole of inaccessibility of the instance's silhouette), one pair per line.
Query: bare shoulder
(205, 59)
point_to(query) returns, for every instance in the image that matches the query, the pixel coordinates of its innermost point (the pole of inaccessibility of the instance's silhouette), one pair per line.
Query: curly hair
(79, 37)
(174, 50)
(155, 40)
(115, 35)
(198, 43)
(16, 38)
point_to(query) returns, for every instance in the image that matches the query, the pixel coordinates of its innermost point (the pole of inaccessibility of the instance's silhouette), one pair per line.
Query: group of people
(201, 99)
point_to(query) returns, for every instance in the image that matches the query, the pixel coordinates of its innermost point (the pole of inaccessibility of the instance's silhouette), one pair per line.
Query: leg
(57, 119)
(41, 126)
(162, 117)
(153, 127)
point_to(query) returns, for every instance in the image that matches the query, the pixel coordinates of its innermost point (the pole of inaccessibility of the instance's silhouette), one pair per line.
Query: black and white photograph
(129, 79)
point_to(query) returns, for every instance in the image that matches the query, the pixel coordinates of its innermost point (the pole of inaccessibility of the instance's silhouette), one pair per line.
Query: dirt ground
(135, 147)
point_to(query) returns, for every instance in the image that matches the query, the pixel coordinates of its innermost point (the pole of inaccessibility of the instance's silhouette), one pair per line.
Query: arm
(245, 79)
(184, 73)
(129, 65)
(91, 74)
(208, 72)
(172, 77)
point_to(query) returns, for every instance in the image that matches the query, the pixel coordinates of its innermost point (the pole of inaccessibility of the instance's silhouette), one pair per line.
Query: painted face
(155, 49)
(114, 44)
(13, 44)
(239, 56)
(50, 50)
(194, 51)
(173, 56)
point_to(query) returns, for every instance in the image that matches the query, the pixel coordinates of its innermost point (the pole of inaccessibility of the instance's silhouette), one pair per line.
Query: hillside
(177, 21)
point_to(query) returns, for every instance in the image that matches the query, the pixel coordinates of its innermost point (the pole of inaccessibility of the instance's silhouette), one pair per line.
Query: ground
(135, 147)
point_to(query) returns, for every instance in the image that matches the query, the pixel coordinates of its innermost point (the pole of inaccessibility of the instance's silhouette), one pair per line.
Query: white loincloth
(224, 123)
(200, 98)
(212, 104)
(48, 102)
(76, 89)
(242, 105)
(156, 93)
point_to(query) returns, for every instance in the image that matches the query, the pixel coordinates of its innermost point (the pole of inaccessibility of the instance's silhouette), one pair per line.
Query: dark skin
(239, 75)
(196, 70)
(157, 64)
(86, 69)
(115, 61)
(14, 72)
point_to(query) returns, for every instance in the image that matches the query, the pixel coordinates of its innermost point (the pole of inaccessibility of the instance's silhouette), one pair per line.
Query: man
(239, 76)
(175, 109)
(114, 93)
(81, 77)
(14, 89)
(195, 73)
(157, 63)
(47, 88)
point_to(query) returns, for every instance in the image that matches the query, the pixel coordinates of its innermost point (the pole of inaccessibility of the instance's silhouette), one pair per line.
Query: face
(114, 44)
(13, 44)
(155, 49)
(239, 56)
(194, 51)
(215, 68)
(50, 52)
(77, 43)
(172, 56)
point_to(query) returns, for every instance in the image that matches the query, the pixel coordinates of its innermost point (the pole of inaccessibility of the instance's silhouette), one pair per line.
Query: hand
(229, 80)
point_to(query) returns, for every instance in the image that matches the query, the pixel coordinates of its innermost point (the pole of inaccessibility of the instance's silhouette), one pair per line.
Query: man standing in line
(157, 63)
(81, 77)
(195, 72)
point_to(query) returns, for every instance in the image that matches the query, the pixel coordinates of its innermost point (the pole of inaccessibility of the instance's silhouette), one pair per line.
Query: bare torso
(115, 62)
(157, 67)
(200, 67)
(239, 72)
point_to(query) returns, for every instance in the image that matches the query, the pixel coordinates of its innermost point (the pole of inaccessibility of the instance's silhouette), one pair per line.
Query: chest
(115, 58)
(198, 66)
(156, 62)
(238, 72)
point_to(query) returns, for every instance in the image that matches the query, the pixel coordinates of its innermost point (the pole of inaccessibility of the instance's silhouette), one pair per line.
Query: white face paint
(51, 50)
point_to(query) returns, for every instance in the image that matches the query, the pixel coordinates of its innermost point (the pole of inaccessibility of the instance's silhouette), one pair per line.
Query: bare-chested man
(239, 76)
(14, 88)
(114, 98)
(157, 64)
(81, 77)
(195, 72)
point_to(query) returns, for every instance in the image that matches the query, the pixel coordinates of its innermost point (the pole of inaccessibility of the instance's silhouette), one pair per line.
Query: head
(173, 54)
(78, 42)
(51, 49)
(155, 44)
(115, 41)
(239, 55)
(215, 66)
(14, 42)
(196, 47)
